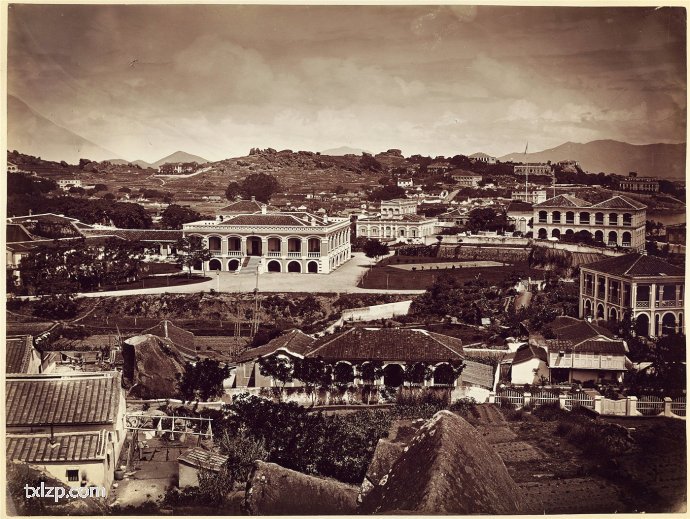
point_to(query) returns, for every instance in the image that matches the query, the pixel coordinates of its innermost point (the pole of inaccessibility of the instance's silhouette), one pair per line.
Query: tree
(387, 193)
(310, 371)
(339, 190)
(174, 216)
(417, 373)
(233, 190)
(100, 187)
(109, 196)
(260, 185)
(487, 219)
(375, 249)
(202, 380)
(369, 372)
(191, 251)
(242, 450)
(278, 367)
(369, 162)
(130, 216)
(124, 190)
(60, 306)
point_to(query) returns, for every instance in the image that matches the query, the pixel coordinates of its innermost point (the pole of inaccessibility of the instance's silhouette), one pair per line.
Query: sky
(217, 80)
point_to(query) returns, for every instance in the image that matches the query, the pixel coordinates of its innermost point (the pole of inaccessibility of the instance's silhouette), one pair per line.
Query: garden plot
(517, 451)
(496, 434)
(447, 265)
(574, 496)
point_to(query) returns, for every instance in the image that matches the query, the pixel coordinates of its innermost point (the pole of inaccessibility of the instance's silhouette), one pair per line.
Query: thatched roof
(274, 490)
(447, 468)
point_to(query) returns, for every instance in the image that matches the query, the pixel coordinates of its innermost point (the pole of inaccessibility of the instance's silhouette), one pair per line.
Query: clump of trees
(202, 380)
(259, 185)
(191, 251)
(175, 215)
(388, 192)
(375, 249)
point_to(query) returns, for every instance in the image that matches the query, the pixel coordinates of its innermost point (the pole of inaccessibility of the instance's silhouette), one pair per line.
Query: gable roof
(17, 233)
(619, 202)
(295, 341)
(635, 265)
(34, 400)
(38, 448)
(528, 352)
(164, 235)
(401, 344)
(575, 330)
(178, 336)
(563, 201)
(245, 206)
(18, 354)
(517, 205)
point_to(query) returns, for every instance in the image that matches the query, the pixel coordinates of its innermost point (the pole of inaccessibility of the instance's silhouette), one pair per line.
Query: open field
(389, 277)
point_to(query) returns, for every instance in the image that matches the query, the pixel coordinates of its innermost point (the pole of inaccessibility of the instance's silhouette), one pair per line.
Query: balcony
(216, 253)
(542, 220)
(294, 254)
(235, 253)
(273, 254)
(570, 221)
(616, 300)
(626, 244)
(642, 304)
(313, 255)
(627, 224)
(589, 291)
(668, 303)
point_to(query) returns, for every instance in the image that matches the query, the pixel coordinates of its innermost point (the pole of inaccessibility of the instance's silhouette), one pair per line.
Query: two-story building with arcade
(273, 241)
(616, 222)
(649, 288)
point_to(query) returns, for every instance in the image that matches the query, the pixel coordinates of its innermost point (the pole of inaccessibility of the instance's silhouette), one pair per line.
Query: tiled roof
(619, 202)
(167, 330)
(294, 341)
(245, 206)
(635, 265)
(45, 217)
(53, 400)
(564, 201)
(529, 352)
(17, 233)
(599, 346)
(198, 457)
(37, 448)
(168, 235)
(575, 331)
(32, 328)
(517, 205)
(18, 354)
(408, 345)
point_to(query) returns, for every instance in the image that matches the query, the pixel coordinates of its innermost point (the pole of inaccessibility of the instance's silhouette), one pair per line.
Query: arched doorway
(273, 245)
(214, 244)
(556, 233)
(444, 375)
(343, 373)
(313, 267)
(254, 246)
(234, 244)
(600, 311)
(668, 324)
(393, 375)
(294, 266)
(627, 239)
(588, 308)
(642, 325)
(613, 315)
(233, 265)
(294, 245)
(569, 235)
(543, 234)
(599, 236)
(402, 232)
(556, 217)
(215, 264)
(314, 245)
(273, 266)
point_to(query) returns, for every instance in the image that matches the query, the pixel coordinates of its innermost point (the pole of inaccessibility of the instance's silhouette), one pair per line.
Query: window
(73, 475)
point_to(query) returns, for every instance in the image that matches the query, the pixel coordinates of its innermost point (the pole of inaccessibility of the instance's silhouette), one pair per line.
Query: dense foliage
(202, 380)
(261, 186)
(174, 216)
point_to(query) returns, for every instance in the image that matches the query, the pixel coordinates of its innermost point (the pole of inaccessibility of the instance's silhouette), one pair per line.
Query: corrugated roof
(54, 400)
(295, 341)
(635, 265)
(198, 457)
(38, 448)
(564, 201)
(18, 354)
(411, 345)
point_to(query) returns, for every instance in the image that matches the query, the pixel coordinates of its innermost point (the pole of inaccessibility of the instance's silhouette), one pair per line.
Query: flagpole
(526, 170)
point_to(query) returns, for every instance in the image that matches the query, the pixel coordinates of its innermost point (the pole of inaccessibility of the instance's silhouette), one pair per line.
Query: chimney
(253, 199)
(264, 208)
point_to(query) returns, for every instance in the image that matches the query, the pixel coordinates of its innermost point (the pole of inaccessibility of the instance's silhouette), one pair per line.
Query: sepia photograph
(327, 259)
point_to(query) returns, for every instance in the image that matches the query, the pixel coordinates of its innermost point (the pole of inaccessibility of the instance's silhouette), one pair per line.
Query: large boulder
(275, 490)
(150, 368)
(447, 468)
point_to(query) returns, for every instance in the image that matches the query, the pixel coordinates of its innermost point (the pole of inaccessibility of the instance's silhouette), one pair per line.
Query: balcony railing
(542, 220)
(584, 222)
(616, 300)
(273, 254)
(589, 291)
(627, 224)
(669, 303)
(313, 255)
(642, 304)
(216, 253)
(570, 221)
(626, 244)
(598, 222)
(612, 243)
(294, 254)
(235, 253)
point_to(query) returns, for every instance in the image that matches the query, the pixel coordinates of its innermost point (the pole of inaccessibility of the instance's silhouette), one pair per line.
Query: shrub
(550, 412)
(463, 406)
(61, 306)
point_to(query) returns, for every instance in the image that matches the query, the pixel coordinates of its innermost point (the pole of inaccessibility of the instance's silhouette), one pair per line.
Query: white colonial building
(647, 287)
(398, 220)
(616, 222)
(274, 241)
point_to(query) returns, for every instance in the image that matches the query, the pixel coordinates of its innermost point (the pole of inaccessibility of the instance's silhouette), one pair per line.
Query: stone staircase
(249, 265)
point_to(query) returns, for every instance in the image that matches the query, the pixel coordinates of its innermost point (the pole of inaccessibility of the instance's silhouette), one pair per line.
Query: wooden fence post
(597, 403)
(527, 398)
(631, 406)
(667, 406)
(492, 398)
(561, 400)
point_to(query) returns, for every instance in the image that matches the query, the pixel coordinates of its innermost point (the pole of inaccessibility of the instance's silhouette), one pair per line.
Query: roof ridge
(331, 340)
(633, 264)
(433, 336)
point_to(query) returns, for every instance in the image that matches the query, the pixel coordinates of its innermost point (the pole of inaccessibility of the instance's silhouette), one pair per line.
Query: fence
(646, 405)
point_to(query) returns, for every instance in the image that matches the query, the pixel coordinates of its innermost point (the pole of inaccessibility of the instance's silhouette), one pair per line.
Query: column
(283, 247)
(224, 245)
(304, 247)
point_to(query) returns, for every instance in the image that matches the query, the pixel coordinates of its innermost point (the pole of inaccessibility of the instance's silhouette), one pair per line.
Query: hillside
(34, 134)
(343, 150)
(177, 157)
(609, 156)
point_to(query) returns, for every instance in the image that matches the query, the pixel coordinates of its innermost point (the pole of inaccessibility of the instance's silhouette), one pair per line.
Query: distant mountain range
(343, 150)
(178, 156)
(34, 134)
(654, 160)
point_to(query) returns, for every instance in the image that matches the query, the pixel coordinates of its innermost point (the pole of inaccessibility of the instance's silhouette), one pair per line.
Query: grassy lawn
(382, 276)
(173, 280)
(162, 268)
